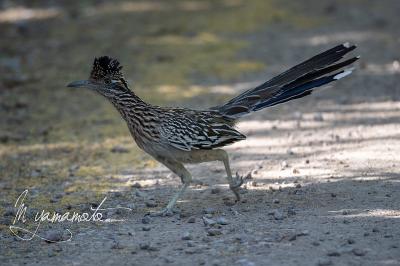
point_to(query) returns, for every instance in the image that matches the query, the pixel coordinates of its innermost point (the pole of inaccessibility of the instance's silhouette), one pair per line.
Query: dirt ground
(322, 183)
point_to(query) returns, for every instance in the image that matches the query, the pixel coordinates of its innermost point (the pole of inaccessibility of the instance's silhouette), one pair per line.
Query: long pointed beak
(80, 84)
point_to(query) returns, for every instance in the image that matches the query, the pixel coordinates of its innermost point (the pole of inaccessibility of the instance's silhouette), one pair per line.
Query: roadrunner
(177, 136)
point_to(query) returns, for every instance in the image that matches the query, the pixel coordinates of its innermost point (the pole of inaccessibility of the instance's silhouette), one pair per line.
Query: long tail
(294, 83)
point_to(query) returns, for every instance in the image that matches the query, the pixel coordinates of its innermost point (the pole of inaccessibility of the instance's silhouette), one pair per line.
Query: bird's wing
(192, 130)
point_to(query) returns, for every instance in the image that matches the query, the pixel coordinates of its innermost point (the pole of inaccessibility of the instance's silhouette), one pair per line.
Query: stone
(151, 204)
(359, 252)
(222, 221)
(208, 222)
(136, 185)
(191, 220)
(214, 232)
(53, 236)
(187, 236)
(146, 220)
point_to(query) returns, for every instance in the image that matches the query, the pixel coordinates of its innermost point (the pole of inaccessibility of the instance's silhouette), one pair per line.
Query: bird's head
(106, 77)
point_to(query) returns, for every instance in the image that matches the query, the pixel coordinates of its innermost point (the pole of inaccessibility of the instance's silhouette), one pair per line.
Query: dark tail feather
(296, 82)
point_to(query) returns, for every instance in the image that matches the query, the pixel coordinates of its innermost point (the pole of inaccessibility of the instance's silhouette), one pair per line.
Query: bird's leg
(186, 178)
(234, 184)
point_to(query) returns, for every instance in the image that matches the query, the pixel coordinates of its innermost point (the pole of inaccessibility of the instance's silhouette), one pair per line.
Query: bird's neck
(128, 104)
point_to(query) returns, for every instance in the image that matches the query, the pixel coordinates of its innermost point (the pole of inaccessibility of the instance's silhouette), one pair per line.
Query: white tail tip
(344, 73)
(346, 44)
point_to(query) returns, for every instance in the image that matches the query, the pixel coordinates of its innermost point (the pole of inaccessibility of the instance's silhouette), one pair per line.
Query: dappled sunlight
(391, 68)
(202, 38)
(370, 106)
(127, 6)
(148, 6)
(341, 37)
(20, 13)
(374, 213)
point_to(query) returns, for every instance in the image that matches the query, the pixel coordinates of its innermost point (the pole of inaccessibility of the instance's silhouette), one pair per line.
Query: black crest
(106, 68)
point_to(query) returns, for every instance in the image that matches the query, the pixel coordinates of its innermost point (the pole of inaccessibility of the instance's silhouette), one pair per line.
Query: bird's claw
(238, 182)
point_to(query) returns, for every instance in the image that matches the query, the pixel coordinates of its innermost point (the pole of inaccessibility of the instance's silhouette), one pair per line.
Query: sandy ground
(323, 180)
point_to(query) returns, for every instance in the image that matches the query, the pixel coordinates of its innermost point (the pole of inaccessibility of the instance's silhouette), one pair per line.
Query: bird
(179, 136)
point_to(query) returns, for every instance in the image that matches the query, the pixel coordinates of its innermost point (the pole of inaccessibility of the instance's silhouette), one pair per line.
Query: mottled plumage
(175, 136)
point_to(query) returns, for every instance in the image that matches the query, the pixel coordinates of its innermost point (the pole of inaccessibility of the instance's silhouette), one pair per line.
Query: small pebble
(144, 246)
(333, 253)
(151, 204)
(221, 221)
(146, 228)
(351, 241)
(117, 245)
(303, 233)
(152, 248)
(53, 236)
(191, 220)
(136, 185)
(214, 232)
(187, 236)
(284, 165)
(146, 219)
(208, 222)
(375, 230)
(245, 262)
(359, 252)
(278, 215)
(131, 206)
(315, 243)
(276, 201)
(229, 203)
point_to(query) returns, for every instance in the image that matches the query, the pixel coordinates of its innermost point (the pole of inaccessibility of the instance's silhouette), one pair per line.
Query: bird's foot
(162, 213)
(235, 187)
